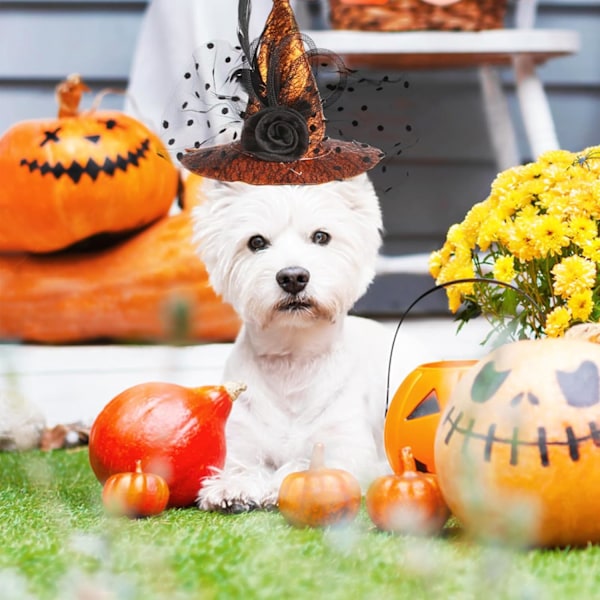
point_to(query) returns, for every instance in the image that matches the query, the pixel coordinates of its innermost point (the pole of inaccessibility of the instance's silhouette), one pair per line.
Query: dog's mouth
(294, 305)
(302, 309)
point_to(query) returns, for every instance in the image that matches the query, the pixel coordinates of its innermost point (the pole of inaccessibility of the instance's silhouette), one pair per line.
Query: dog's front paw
(227, 506)
(234, 492)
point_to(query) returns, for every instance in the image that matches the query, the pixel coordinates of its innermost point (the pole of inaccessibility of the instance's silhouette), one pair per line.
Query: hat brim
(331, 160)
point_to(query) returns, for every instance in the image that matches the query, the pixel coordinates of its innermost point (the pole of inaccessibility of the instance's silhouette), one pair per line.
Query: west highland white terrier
(293, 260)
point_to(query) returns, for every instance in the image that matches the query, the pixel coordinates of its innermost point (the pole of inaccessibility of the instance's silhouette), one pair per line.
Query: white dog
(292, 260)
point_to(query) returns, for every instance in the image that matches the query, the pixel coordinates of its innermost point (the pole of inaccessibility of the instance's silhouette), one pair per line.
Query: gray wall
(448, 164)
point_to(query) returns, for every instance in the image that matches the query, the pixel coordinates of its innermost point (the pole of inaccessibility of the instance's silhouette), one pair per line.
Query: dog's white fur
(313, 373)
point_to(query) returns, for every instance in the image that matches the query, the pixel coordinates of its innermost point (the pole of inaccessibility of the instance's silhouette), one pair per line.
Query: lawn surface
(57, 543)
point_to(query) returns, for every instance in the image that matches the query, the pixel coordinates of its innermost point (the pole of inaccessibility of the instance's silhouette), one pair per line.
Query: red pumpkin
(410, 502)
(135, 494)
(81, 174)
(415, 410)
(518, 447)
(177, 432)
(319, 496)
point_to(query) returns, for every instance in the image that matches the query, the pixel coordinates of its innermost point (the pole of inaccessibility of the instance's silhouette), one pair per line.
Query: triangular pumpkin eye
(428, 406)
(580, 387)
(487, 382)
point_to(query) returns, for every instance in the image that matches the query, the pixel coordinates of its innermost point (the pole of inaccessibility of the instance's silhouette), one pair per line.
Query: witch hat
(283, 137)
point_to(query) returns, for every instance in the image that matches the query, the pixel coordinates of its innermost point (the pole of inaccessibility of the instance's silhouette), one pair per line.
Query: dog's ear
(219, 195)
(215, 186)
(360, 196)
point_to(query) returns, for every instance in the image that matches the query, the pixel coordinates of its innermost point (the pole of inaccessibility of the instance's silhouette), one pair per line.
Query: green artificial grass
(56, 542)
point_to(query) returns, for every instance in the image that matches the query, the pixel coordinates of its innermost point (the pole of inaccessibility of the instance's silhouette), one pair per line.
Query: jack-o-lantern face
(415, 411)
(75, 176)
(87, 154)
(521, 434)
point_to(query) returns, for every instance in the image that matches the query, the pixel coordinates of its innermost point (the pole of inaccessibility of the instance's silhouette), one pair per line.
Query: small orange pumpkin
(81, 174)
(410, 502)
(518, 447)
(415, 410)
(319, 496)
(136, 494)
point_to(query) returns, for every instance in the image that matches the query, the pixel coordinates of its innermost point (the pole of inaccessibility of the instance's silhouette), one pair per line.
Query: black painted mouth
(571, 441)
(76, 171)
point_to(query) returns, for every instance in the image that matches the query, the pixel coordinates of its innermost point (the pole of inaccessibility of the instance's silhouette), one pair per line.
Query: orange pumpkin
(150, 287)
(136, 494)
(409, 502)
(81, 174)
(192, 191)
(319, 496)
(517, 451)
(414, 412)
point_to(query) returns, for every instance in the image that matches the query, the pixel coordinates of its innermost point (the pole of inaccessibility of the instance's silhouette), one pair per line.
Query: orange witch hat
(283, 137)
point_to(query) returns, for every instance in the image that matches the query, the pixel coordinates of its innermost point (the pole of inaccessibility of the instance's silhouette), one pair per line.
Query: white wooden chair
(523, 47)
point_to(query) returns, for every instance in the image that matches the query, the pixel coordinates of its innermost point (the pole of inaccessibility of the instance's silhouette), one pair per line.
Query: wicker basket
(417, 15)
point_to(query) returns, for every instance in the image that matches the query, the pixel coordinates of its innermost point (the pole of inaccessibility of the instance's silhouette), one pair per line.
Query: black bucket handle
(433, 289)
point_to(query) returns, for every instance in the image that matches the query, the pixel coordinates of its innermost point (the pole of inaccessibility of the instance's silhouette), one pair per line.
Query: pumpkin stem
(408, 460)
(138, 466)
(234, 389)
(590, 332)
(317, 460)
(68, 95)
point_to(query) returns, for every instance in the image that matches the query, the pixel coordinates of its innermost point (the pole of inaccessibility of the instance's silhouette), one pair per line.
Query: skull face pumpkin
(81, 174)
(517, 451)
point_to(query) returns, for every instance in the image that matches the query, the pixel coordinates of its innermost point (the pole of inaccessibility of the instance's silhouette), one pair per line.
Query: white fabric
(171, 30)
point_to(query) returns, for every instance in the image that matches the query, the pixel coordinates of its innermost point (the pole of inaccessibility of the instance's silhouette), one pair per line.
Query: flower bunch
(538, 231)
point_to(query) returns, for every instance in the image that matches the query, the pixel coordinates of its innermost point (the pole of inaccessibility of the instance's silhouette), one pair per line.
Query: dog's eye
(257, 242)
(321, 237)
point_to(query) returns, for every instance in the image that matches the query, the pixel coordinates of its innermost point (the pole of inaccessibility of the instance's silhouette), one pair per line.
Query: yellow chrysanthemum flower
(522, 242)
(549, 235)
(435, 263)
(591, 250)
(504, 268)
(582, 230)
(557, 321)
(473, 220)
(572, 275)
(560, 158)
(454, 299)
(488, 233)
(539, 229)
(581, 305)
(455, 234)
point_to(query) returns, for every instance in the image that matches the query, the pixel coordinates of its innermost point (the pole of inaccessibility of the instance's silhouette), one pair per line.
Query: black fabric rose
(277, 134)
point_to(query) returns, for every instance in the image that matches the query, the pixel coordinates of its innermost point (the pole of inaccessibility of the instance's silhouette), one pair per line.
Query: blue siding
(447, 169)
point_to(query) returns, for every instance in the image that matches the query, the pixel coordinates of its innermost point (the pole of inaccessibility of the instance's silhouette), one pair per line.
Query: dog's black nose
(292, 279)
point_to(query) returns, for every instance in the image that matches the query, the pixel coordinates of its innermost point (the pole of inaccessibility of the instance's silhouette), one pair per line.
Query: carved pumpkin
(414, 412)
(517, 451)
(81, 174)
